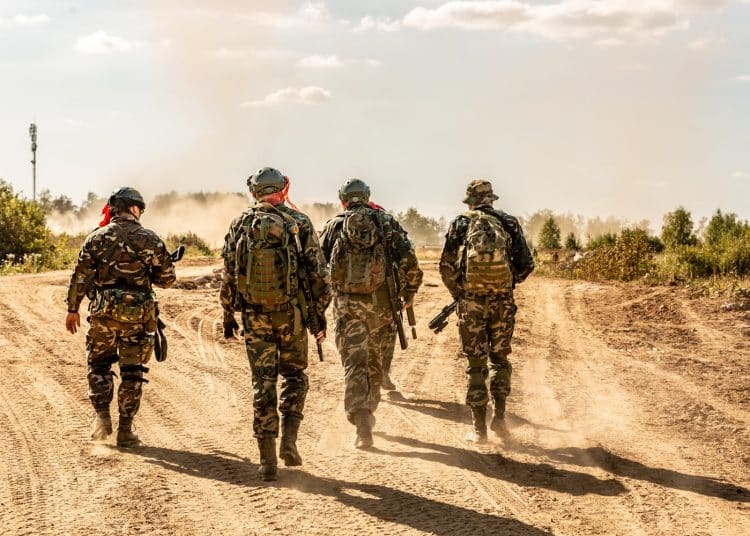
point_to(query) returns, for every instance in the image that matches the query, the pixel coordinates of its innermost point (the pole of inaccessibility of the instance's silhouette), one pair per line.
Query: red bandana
(282, 196)
(106, 216)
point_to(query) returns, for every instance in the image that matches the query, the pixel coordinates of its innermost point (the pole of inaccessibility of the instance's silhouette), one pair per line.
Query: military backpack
(484, 255)
(266, 258)
(358, 256)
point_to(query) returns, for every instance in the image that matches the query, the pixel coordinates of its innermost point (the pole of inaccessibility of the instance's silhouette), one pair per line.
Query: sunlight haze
(623, 108)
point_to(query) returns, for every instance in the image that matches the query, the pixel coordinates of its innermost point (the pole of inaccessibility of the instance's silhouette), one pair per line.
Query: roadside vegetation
(715, 251)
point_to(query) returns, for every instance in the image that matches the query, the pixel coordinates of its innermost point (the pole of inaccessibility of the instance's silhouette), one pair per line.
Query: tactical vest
(484, 255)
(266, 258)
(358, 257)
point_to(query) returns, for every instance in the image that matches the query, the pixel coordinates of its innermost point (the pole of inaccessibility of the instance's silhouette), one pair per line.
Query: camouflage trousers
(107, 342)
(365, 336)
(276, 344)
(485, 327)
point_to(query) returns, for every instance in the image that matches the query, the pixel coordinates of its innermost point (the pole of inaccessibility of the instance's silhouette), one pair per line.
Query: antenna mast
(32, 133)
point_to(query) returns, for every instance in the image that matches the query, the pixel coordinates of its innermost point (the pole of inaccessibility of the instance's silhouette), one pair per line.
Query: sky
(623, 108)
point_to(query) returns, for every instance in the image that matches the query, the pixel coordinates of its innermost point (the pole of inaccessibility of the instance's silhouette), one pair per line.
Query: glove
(231, 327)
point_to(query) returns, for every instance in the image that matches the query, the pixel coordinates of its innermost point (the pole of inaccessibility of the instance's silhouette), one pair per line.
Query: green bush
(604, 240)
(629, 258)
(25, 241)
(195, 246)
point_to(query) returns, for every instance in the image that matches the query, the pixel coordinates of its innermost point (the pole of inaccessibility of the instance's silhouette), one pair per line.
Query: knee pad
(133, 373)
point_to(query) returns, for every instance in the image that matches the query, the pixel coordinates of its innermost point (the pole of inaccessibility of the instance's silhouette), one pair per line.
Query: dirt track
(630, 415)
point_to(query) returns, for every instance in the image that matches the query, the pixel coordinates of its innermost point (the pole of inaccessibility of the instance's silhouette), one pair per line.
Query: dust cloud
(208, 215)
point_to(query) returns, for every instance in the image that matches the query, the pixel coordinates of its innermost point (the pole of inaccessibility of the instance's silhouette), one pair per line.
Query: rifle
(438, 323)
(391, 282)
(308, 310)
(177, 254)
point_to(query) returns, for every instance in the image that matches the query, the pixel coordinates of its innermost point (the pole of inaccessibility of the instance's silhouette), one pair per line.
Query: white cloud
(740, 175)
(228, 54)
(333, 62)
(309, 14)
(28, 20)
(381, 24)
(104, 43)
(565, 19)
(290, 95)
(744, 78)
(320, 62)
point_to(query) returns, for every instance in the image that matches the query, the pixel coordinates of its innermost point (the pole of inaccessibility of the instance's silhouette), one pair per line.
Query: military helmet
(266, 181)
(354, 191)
(479, 192)
(126, 197)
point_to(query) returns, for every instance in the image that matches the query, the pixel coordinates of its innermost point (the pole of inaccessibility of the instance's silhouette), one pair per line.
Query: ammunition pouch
(125, 305)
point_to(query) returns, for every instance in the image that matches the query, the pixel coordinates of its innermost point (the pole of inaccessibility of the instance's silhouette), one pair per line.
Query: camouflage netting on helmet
(479, 192)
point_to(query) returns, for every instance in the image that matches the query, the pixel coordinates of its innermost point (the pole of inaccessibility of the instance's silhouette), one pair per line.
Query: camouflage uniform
(485, 322)
(276, 340)
(364, 327)
(117, 266)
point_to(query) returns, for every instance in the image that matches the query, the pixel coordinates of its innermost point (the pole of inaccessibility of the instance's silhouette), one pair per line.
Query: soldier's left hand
(321, 336)
(72, 322)
(408, 302)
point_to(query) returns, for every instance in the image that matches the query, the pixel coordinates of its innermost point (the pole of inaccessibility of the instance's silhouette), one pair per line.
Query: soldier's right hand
(231, 327)
(72, 322)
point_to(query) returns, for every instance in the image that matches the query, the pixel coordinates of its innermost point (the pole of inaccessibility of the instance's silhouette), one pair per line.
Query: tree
(423, 230)
(723, 226)
(22, 226)
(678, 229)
(549, 237)
(571, 242)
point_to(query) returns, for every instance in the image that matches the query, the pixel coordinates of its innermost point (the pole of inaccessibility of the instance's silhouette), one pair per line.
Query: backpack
(266, 257)
(358, 262)
(485, 255)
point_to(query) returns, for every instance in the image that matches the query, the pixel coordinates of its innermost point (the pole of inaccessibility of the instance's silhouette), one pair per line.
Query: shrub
(22, 227)
(605, 240)
(630, 257)
(195, 246)
(571, 242)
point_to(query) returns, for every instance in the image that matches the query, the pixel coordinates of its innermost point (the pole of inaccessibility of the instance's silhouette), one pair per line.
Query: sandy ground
(629, 415)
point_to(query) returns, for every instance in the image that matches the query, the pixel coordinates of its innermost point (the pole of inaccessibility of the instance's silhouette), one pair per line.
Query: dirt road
(630, 415)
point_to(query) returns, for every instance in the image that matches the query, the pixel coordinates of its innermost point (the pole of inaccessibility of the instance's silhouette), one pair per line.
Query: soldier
(484, 257)
(271, 254)
(117, 266)
(354, 244)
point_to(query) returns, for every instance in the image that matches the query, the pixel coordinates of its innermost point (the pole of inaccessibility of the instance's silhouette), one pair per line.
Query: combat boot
(363, 420)
(388, 384)
(126, 438)
(101, 428)
(479, 418)
(288, 447)
(267, 447)
(498, 419)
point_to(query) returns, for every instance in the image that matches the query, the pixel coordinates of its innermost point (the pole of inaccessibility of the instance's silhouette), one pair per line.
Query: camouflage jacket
(313, 260)
(402, 250)
(522, 263)
(122, 254)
